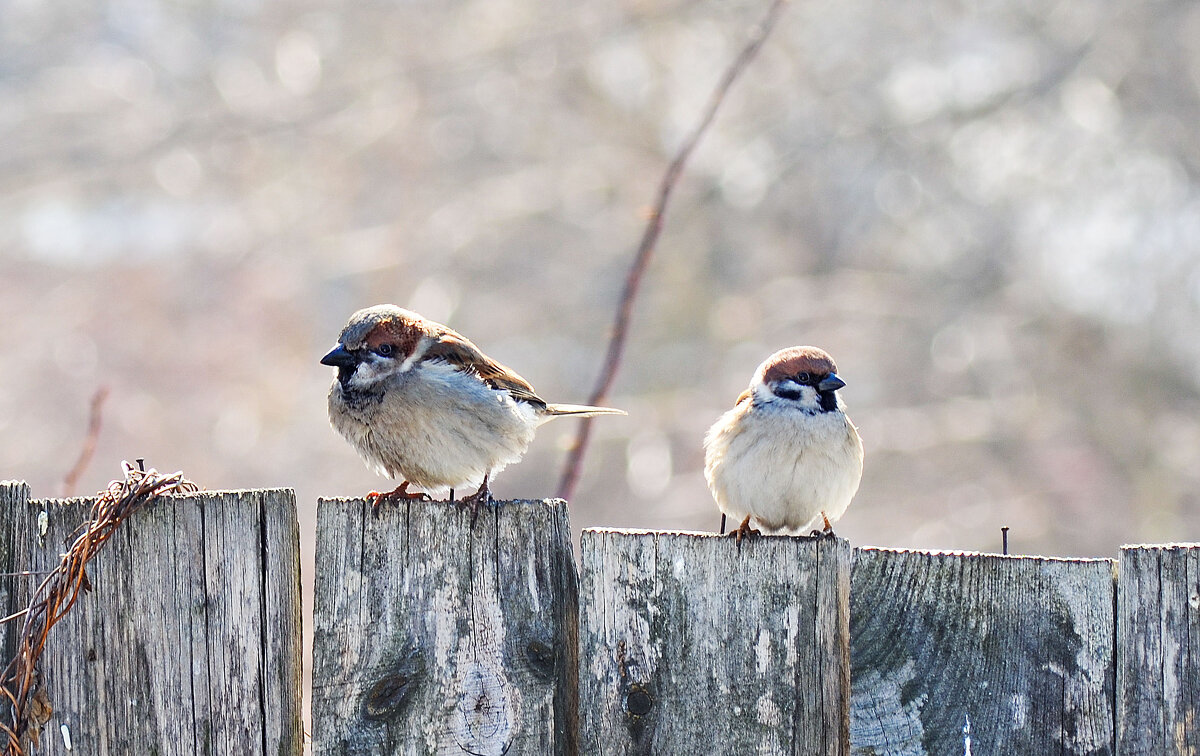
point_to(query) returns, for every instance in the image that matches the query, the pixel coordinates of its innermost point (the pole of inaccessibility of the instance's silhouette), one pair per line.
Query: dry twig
(20, 683)
(633, 280)
(89, 443)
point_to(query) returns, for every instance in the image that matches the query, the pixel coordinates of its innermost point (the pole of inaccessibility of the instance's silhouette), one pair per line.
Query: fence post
(14, 499)
(188, 642)
(690, 644)
(435, 636)
(1158, 668)
(962, 653)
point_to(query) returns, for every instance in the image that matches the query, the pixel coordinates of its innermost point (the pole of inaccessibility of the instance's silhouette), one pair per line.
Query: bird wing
(456, 350)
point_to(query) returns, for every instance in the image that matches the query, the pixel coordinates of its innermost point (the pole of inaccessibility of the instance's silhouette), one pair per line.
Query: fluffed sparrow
(420, 402)
(786, 455)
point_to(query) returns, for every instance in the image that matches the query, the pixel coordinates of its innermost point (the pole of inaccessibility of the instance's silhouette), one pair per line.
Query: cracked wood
(1158, 668)
(189, 642)
(974, 653)
(433, 636)
(689, 644)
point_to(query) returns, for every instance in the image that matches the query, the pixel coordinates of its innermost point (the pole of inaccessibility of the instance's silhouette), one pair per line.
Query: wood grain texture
(688, 646)
(1019, 647)
(14, 500)
(1158, 668)
(436, 637)
(189, 642)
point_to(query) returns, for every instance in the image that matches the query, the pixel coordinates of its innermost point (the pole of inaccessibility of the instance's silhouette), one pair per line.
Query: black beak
(830, 382)
(339, 358)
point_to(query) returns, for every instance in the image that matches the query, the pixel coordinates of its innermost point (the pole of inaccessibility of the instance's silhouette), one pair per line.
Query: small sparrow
(786, 455)
(420, 402)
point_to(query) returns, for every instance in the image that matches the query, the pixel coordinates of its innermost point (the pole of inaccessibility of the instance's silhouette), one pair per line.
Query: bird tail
(580, 410)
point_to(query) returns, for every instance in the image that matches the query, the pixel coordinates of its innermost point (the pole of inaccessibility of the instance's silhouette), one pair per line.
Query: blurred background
(988, 212)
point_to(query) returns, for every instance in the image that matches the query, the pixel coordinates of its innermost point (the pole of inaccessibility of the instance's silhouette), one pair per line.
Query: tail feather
(580, 410)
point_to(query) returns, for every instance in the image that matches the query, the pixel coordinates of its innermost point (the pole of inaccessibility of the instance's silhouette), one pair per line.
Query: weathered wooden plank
(189, 642)
(688, 645)
(1158, 668)
(14, 498)
(962, 653)
(433, 636)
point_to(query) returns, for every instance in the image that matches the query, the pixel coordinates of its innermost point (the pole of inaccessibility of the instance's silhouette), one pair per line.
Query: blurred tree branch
(633, 280)
(95, 419)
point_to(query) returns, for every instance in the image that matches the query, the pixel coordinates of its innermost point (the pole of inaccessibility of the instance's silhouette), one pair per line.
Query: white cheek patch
(371, 371)
(375, 368)
(809, 399)
(790, 386)
(422, 347)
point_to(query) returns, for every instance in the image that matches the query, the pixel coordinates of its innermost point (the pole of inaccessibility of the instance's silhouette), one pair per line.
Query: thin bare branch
(633, 280)
(95, 420)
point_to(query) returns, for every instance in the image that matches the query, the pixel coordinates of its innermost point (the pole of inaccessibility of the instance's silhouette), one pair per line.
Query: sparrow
(786, 455)
(420, 402)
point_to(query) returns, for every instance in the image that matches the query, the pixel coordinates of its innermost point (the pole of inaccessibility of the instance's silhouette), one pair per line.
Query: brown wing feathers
(465, 356)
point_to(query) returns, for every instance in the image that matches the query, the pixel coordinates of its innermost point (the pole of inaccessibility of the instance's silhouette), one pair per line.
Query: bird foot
(744, 531)
(482, 496)
(827, 532)
(399, 493)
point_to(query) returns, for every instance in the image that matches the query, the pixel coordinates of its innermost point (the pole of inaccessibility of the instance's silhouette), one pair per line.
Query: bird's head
(803, 375)
(377, 343)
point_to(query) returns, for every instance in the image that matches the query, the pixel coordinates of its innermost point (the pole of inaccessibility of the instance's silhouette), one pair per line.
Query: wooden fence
(432, 636)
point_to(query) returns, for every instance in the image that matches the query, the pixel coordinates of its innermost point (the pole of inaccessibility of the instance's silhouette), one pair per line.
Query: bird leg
(482, 496)
(827, 532)
(400, 492)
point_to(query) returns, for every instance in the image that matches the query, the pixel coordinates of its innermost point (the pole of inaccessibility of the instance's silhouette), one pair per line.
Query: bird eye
(384, 350)
(804, 378)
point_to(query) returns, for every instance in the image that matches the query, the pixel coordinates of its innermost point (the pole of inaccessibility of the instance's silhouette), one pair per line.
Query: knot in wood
(639, 701)
(387, 695)
(541, 658)
(393, 690)
(486, 718)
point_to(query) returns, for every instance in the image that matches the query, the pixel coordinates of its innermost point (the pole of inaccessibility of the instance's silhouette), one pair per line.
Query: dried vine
(21, 683)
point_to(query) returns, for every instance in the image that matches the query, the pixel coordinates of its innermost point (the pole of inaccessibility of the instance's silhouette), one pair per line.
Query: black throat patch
(358, 399)
(828, 401)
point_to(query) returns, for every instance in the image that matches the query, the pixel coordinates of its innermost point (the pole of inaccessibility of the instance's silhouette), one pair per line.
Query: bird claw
(482, 496)
(399, 493)
(744, 531)
(827, 532)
